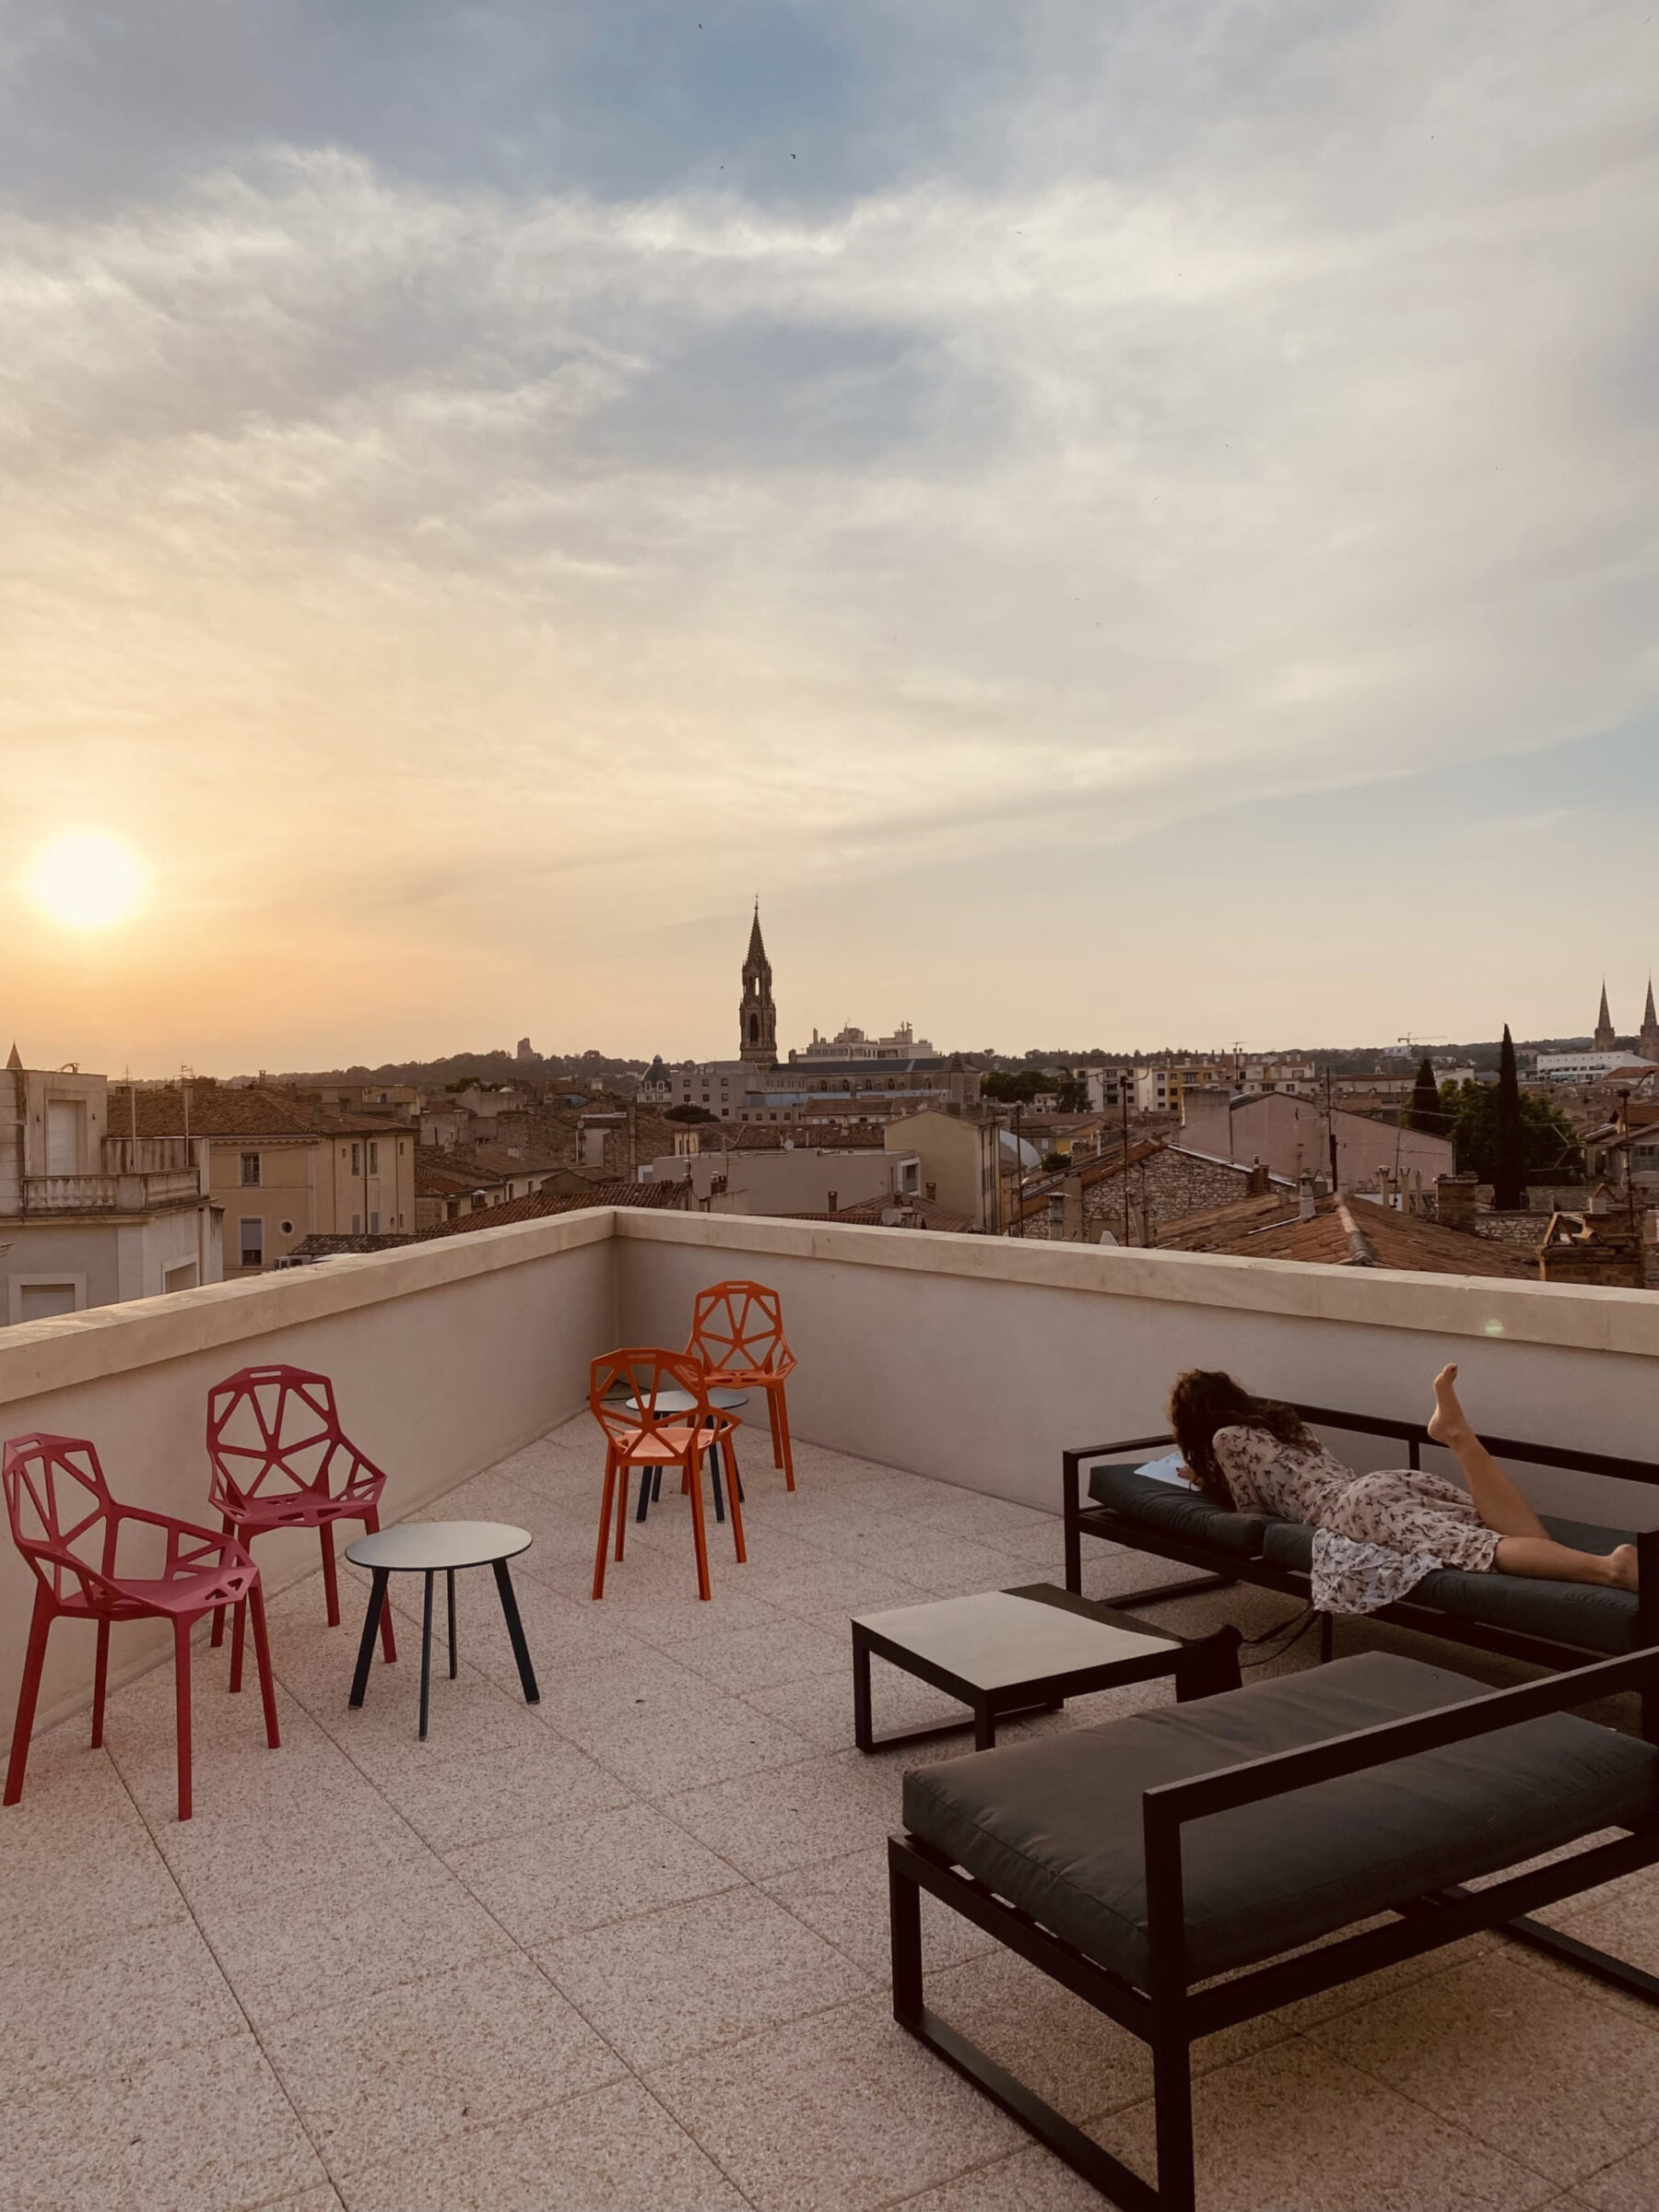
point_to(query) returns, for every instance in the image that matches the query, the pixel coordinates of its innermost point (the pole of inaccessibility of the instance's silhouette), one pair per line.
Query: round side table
(431, 1548)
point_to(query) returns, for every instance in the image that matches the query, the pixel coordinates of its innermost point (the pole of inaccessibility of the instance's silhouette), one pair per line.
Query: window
(250, 1171)
(357, 1225)
(252, 1244)
(374, 1224)
(356, 1159)
(373, 1157)
(287, 1228)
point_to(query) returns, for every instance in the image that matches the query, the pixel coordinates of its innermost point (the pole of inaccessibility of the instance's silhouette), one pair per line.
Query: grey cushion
(1178, 1512)
(1577, 1613)
(1289, 1544)
(1055, 1826)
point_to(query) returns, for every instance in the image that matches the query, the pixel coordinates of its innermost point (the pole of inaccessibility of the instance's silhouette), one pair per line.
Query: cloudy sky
(1122, 521)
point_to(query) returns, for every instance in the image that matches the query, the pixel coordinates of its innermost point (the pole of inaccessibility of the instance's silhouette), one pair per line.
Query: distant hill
(488, 1067)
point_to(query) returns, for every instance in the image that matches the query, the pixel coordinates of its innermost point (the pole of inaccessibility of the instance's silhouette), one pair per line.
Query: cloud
(1207, 407)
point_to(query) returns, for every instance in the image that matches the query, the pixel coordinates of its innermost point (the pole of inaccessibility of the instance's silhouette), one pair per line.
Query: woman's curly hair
(1204, 1400)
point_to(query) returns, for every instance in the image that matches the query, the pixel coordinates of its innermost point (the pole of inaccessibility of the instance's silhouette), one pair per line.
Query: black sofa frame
(1222, 1568)
(1170, 2015)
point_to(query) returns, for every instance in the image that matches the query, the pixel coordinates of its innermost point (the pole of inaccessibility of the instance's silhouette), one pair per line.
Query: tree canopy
(1550, 1148)
(1424, 1113)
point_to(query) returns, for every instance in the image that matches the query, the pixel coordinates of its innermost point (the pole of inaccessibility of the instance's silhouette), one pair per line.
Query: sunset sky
(1124, 522)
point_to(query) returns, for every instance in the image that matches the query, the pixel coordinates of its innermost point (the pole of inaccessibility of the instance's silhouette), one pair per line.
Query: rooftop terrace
(626, 1949)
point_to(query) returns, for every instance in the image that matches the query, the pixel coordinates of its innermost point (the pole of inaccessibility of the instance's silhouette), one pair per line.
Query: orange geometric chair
(68, 1528)
(660, 1416)
(281, 1460)
(738, 1335)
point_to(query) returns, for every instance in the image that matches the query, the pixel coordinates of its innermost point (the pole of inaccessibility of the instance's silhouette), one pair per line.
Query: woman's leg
(1542, 1556)
(1497, 1500)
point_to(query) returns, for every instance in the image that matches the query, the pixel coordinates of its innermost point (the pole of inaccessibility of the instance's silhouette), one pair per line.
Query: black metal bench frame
(1170, 2014)
(1222, 1568)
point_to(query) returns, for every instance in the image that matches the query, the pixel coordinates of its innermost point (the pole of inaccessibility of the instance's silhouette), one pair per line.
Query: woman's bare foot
(1622, 1566)
(1448, 1423)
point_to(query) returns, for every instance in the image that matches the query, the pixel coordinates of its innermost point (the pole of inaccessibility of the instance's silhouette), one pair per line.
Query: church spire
(1605, 1039)
(758, 1016)
(1647, 1044)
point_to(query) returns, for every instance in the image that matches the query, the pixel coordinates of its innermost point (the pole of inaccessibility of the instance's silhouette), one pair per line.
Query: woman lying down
(1375, 1536)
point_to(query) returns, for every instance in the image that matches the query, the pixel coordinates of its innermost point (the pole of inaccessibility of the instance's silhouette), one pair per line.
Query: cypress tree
(1508, 1165)
(1424, 1111)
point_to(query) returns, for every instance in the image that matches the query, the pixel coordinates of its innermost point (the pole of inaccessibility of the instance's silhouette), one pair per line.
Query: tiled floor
(628, 1949)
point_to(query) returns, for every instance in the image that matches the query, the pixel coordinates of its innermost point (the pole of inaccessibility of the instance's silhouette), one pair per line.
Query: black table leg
(515, 1629)
(450, 1573)
(425, 1656)
(862, 1734)
(984, 1726)
(714, 1472)
(377, 1598)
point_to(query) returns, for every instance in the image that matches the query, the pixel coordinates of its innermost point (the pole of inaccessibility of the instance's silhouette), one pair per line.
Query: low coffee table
(431, 1548)
(1009, 1652)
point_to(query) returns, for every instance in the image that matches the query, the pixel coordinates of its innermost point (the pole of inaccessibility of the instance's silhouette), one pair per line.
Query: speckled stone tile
(204, 2130)
(481, 2043)
(820, 1706)
(108, 2002)
(1073, 2057)
(1031, 2180)
(676, 1731)
(1565, 2082)
(846, 1901)
(1294, 2127)
(697, 1974)
(583, 1873)
(612, 2150)
(835, 2113)
(782, 1651)
(1627, 2184)
(819, 1808)
(456, 1800)
(365, 1923)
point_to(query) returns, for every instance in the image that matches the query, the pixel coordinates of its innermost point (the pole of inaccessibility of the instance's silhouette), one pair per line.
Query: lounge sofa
(1551, 1624)
(1136, 1862)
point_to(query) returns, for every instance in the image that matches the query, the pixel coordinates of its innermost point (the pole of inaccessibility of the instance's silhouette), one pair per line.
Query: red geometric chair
(738, 1335)
(281, 1460)
(661, 1417)
(68, 1528)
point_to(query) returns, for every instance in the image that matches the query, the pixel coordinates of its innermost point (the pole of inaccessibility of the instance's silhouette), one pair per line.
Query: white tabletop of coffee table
(995, 1641)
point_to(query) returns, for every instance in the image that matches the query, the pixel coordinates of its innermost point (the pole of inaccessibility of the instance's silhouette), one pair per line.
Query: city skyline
(1124, 522)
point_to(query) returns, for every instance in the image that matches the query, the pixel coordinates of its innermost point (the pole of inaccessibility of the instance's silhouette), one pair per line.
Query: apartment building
(283, 1169)
(90, 1217)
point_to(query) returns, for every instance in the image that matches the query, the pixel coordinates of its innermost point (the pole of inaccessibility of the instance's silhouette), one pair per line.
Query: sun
(86, 879)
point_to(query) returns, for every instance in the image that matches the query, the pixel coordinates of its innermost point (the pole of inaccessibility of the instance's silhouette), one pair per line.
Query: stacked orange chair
(737, 1339)
(653, 1407)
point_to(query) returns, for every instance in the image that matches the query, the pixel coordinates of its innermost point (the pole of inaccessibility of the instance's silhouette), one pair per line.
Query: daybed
(1138, 1862)
(1551, 1624)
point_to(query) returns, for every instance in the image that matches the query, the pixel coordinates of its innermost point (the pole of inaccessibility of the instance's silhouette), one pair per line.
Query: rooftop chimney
(1306, 1204)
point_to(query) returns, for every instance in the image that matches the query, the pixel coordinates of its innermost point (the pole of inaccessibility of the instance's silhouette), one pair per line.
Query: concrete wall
(1289, 1135)
(445, 1356)
(980, 1359)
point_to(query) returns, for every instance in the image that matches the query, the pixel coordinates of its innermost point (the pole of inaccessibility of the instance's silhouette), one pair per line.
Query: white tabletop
(996, 1640)
(423, 1547)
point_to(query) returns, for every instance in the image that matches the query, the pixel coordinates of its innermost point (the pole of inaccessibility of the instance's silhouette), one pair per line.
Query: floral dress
(1375, 1537)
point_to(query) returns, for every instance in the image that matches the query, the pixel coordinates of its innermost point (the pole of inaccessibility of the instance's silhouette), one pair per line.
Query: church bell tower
(1605, 1039)
(757, 1017)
